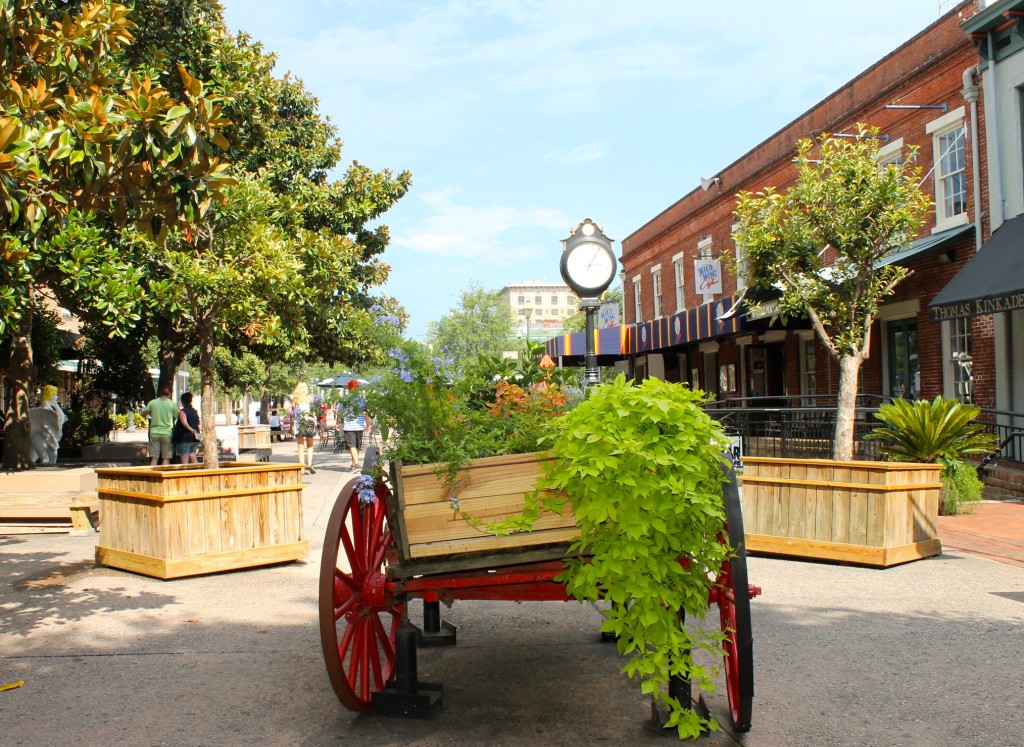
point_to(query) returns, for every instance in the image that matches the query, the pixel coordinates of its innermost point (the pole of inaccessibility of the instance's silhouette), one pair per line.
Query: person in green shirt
(162, 413)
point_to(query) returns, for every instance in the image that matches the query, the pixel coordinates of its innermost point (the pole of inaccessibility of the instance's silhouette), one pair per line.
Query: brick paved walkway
(995, 530)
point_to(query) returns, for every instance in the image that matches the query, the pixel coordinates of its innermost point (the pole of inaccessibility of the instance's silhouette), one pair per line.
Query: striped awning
(690, 325)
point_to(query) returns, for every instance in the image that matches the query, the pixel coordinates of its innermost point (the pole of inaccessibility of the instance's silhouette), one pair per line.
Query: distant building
(539, 308)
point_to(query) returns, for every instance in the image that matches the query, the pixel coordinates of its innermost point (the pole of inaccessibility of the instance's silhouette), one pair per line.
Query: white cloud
(483, 235)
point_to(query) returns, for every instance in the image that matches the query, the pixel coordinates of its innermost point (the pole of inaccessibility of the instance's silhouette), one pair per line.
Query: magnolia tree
(822, 244)
(84, 134)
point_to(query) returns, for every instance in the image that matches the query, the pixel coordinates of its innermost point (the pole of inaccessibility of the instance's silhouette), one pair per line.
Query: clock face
(590, 266)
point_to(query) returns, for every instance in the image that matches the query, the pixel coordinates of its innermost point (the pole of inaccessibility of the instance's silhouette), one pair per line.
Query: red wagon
(367, 579)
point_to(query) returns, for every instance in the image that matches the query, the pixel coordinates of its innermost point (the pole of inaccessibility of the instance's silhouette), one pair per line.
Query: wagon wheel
(734, 610)
(359, 618)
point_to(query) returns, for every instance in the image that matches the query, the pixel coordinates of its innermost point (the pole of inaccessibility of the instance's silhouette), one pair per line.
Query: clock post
(588, 268)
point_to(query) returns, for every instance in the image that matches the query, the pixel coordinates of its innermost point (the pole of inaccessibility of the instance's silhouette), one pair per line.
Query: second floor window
(950, 173)
(677, 271)
(638, 313)
(949, 151)
(656, 292)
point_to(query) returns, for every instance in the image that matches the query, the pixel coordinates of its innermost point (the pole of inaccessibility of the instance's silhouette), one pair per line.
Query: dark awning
(991, 281)
(925, 245)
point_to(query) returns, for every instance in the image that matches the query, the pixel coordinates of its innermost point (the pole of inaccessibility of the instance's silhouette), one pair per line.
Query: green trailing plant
(641, 467)
(942, 431)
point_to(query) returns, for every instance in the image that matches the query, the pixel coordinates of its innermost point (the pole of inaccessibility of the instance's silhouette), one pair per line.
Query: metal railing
(1009, 428)
(804, 426)
(793, 432)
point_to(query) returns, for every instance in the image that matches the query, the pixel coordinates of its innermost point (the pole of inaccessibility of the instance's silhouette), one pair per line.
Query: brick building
(683, 300)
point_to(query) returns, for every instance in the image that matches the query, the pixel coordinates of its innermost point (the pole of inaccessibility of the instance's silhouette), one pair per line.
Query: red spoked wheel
(359, 617)
(733, 598)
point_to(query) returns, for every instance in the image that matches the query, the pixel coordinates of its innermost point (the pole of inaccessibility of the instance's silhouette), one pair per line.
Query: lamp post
(588, 267)
(528, 312)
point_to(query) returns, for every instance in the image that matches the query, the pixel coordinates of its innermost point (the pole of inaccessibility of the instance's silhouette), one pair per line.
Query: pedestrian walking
(355, 422)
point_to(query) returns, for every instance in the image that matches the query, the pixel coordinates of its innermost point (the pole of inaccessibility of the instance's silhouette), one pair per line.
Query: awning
(689, 325)
(608, 341)
(924, 245)
(340, 381)
(991, 281)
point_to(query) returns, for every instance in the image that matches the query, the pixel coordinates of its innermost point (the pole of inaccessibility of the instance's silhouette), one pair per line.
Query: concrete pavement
(921, 654)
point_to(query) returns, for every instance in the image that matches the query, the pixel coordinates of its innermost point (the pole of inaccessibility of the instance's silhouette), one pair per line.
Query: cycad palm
(942, 430)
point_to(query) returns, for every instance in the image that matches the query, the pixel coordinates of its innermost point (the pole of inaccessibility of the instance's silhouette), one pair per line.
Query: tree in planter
(81, 132)
(941, 431)
(821, 242)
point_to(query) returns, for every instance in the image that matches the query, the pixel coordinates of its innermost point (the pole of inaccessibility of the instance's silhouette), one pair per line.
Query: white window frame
(741, 262)
(679, 272)
(806, 373)
(656, 291)
(637, 305)
(938, 129)
(891, 152)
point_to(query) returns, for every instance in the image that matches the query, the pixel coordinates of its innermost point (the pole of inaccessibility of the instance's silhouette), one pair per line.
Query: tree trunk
(265, 406)
(208, 415)
(19, 376)
(846, 407)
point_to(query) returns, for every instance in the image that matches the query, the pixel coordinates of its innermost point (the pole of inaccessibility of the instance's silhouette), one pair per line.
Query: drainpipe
(995, 175)
(970, 94)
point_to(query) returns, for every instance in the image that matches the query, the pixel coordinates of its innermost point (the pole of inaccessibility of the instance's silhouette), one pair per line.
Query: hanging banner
(608, 315)
(707, 276)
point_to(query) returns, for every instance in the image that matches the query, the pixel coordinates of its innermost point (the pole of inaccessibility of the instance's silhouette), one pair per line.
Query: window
(571, 300)
(677, 271)
(949, 147)
(537, 300)
(522, 300)
(808, 379)
(741, 262)
(656, 290)
(638, 313)
(961, 344)
(554, 300)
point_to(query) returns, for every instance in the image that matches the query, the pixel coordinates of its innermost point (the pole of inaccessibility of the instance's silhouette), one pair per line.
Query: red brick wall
(927, 69)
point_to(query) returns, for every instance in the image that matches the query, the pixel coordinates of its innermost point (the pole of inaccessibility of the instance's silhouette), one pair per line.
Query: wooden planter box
(253, 437)
(489, 489)
(872, 513)
(185, 520)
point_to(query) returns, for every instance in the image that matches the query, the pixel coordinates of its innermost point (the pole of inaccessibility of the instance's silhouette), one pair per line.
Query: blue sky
(520, 118)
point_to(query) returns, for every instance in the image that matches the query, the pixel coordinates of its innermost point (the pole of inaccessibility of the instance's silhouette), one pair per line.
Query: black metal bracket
(436, 632)
(404, 695)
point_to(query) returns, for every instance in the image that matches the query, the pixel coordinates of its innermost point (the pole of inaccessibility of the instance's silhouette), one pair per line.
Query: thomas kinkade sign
(1009, 302)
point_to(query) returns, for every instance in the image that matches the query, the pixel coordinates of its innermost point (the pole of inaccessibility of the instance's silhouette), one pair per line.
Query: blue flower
(454, 500)
(376, 307)
(394, 321)
(366, 497)
(365, 481)
(406, 376)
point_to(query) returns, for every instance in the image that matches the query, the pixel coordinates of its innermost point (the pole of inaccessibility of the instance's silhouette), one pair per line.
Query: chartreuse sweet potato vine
(641, 467)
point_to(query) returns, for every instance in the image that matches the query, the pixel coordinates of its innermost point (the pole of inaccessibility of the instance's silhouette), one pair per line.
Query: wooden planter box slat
(489, 489)
(253, 437)
(173, 521)
(874, 513)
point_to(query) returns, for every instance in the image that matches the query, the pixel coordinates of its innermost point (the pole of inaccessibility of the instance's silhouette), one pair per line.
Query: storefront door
(904, 380)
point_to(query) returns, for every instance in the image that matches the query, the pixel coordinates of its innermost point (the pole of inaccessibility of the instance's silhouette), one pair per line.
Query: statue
(47, 425)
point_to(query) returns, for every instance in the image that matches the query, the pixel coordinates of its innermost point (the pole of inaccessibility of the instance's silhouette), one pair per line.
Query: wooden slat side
(438, 522)
(487, 544)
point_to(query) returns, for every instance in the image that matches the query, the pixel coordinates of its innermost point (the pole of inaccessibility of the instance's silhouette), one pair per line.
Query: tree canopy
(481, 324)
(822, 244)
